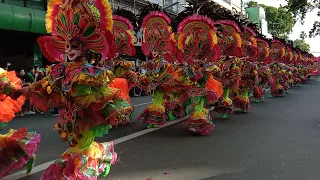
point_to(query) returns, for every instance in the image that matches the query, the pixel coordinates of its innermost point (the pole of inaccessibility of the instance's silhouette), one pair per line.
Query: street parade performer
(17, 147)
(124, 23)
(264, 72)
(277, 53)
(88, 107)
(198, 48)
(158, 79)
(230, 44)
(249, 74)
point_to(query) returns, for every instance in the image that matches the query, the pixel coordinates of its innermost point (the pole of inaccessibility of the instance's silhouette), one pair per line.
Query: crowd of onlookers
(29, 75)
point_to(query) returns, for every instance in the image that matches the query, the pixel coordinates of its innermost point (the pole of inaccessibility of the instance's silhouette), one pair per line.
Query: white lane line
(142, 104)
(44, 166)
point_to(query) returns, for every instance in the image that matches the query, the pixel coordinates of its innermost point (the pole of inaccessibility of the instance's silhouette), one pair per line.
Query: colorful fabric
(17, 150)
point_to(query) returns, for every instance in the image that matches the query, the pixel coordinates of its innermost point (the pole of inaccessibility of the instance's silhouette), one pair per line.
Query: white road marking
(41, 167)
(142, 104)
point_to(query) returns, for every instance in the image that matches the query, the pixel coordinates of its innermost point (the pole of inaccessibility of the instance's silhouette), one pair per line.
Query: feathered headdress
(88, 23)
(277, 51)
(229, 41)
(264, 51)
(294, 56)
(156, 30)
(172, 57)
(123, 27)
(197, 40)
(249, 46)
(288, 55)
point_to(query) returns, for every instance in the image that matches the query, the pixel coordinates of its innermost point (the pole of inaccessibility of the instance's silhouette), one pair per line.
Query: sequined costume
(158, 79)
(277, 54)
(198, 46)
(123, 27)
(88, 107)
(264, 72)
(249, 74)
(17, 147)
(230, 44)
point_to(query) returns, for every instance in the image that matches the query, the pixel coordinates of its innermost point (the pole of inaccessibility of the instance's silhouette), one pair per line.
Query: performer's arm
(40, 95)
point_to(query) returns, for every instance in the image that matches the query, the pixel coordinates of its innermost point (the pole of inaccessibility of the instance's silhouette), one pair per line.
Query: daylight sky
(310, 18)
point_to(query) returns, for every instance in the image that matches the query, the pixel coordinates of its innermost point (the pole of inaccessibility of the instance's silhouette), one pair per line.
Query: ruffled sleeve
(8, 83)
(43, 95)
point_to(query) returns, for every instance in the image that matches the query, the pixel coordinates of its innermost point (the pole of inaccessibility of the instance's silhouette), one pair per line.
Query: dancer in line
(158, 79)
(264, 72)
(197, 43)
(249, 74)
(88, 107)
(277, 54)
(124, 23)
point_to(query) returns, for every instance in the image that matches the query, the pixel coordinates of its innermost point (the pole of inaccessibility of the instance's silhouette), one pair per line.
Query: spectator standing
(29, 79)
(30, 75)
(40, 73)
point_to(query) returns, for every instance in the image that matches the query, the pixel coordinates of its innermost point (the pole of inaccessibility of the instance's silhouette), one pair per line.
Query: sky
(310, 18)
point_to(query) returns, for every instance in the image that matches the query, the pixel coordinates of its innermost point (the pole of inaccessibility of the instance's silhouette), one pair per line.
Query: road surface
(277, 140)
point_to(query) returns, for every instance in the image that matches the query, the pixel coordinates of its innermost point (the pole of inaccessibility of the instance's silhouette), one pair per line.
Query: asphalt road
(277, 140)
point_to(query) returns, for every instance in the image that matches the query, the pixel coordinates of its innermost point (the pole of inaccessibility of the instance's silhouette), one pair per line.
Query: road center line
(41, 167)
(142, 104)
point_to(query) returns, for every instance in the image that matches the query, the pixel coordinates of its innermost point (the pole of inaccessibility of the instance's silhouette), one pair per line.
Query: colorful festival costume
(230, 45)
(277, 54)
(17, 147)
(198, 48)
(158, 79)
(88, 107)
(123, 28)
(264, 72)
(249, 74)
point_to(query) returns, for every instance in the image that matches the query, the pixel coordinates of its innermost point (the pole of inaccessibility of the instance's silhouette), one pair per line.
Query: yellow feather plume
(131, 36)
(180, 41)
(108, 18)
(49, 19)
(237, 36)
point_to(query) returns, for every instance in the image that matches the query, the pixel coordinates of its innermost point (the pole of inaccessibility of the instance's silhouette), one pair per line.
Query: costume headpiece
(156, 30)
(197, 40)
(299, 59)
(172, 57)
(77, 23)
(249, 46)
(230, 43)
(288, 55)
(294, 56)
(123, 27)
(264, 50)
(277, 51)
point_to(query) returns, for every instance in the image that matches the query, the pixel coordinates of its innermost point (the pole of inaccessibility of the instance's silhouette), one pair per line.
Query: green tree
(280, 22)
(252, 4)
(301, 43)
(284, 36)
(303, 35)
(300, 8)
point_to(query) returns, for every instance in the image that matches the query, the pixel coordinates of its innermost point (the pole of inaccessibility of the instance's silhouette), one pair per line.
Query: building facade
(258, 16)
(233, 5)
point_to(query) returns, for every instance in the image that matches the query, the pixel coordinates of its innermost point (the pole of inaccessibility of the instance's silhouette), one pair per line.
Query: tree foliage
(280, 22)
(252, 4)
(301, 43)
(300, 8)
